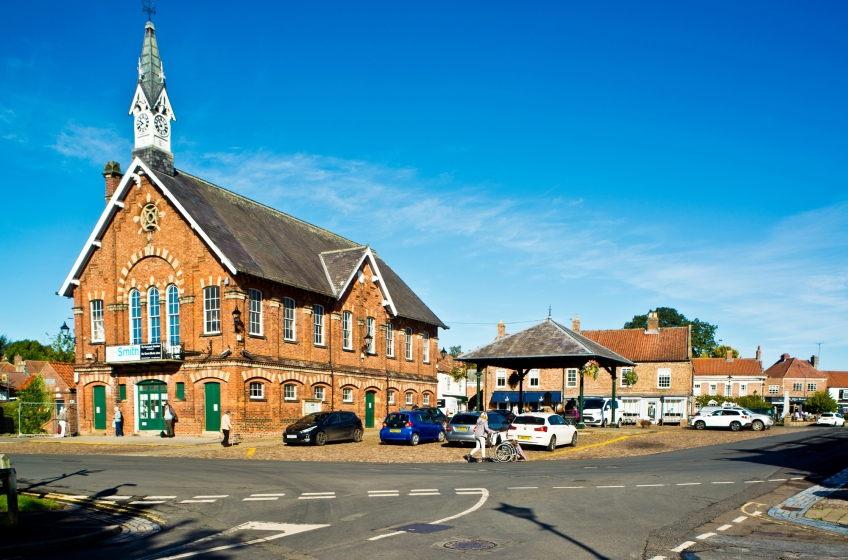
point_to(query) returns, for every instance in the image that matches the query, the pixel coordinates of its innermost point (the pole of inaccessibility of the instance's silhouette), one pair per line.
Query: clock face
(142, 122)
(161, 124)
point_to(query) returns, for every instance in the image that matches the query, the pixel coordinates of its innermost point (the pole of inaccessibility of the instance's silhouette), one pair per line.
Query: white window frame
(98, 327)
(743, 389)
(696, 390)
(212, 310)
(409, 399)
(254, 312)
(774, 389)
(663, 373)
(728, 389)
(172, 294)
(409, 344)
(370, 324)
(154, 316)
(534, 378)
(293, 396)
(390, 340)
(500, 378)
(319, 390)
(812, 387)
(135, 317)
(713, 389)
(347, 330)
(797, 386)
(289, 319)
(318, 325)
(624, 371)
(347, 395)
(425, 347)
(391, 398)
(426, 399)
(571, 377)
(257, 390)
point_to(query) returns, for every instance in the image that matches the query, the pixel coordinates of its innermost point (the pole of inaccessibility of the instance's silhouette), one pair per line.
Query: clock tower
(151, 109)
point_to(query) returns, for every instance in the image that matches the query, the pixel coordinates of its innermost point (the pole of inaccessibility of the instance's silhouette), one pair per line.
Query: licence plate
(461, 429)
(524, 437)
(394, 431)
(291, 437)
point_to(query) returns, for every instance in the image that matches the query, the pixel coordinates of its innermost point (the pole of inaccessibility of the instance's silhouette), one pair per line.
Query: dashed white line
(705, 536)
(522, 487)
(214, 497)
(197, 501)
(689, 484)
(724, 527)
(318, 494)
(722, 483)
(147, 502)
(117, 497)
(382, 491)
(266, 495)
(682, 547)
(609, 486)
(657, 558)
(740, 519)
(424, 490)
(569, 487)
(258, 499)
(648, 485)
(424, 494)
(753, 481)
(159, 497)
(777, 480)
(386, 495)
(797, 478)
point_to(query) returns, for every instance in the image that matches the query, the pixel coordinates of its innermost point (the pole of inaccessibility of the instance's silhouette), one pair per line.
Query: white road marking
(756, 513)
(753, 481)
(383, 491)
(609, 486)
(424, 490)
(740, 519)
(425, 494)
(522, 487)
(682, 547)
(289, 529)
(484, 495)
(648, 485)
(318, 494)
(590, 467)
(117, 498)
(258, 499)
(724, 527)
(797, 478)
(215, 497)
(159, 497)
(387, 495)
(315, 497)
(266, 495)
(197, 501)
(75, 497)
(722, 483)
(378, 537)
(569, 487)
(657, 558)
(777, 480)
(689, 484)
(148, 502)
(705, 536)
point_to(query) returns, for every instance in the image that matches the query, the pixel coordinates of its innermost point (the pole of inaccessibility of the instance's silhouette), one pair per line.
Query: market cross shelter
(190, 293)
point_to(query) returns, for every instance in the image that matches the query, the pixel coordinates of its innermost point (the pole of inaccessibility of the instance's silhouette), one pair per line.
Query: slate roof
(837, 378)
(546, 342)
(151, 77)
(723, 367)
(267, 243)
(793, 368)
(670, 344)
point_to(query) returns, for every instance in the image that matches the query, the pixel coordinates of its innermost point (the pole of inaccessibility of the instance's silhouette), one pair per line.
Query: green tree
(722, 350)
(62, 346)
(3, 343)
(36, 406)
(819, 402)
(703, 333)
(28, 350)
(753, 401)
(455, 351)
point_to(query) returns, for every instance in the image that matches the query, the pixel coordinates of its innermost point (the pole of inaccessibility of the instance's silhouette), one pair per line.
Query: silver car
(460, 429)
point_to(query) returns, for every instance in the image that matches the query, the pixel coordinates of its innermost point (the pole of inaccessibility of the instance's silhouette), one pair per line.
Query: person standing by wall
(170, 416)
(226, 426)
(118, 422)
(63, 422)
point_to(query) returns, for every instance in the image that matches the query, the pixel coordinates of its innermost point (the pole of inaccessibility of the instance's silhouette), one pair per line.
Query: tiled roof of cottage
(547, 339)
(837, 378)
(65, 371)
(267, 243)
(724, 367)
(793, 368)
(670, 344)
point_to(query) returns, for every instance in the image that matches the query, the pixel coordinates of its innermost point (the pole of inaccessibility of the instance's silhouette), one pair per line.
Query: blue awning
(529, 396)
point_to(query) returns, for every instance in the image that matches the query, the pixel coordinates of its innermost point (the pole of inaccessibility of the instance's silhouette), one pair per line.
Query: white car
(830, 419)
(758, 421)
(545, 429)
(732, 418)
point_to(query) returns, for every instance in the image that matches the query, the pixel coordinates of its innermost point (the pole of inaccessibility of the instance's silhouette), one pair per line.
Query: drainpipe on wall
(332, 370)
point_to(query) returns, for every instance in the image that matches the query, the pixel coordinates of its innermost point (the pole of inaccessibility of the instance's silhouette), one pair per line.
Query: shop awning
(529, 396)
(459, 398)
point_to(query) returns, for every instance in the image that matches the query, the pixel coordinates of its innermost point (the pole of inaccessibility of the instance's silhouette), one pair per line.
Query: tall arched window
(425, 347)
(288, 318)
(173, 315)
(154, 333)
(135, 317)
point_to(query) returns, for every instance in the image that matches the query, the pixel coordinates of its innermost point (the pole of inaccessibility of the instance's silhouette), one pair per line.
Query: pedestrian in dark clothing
(170, 416)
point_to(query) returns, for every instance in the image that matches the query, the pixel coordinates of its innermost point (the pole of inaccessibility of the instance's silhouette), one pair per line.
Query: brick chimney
(20, 365)
(759, 355)
(814, 361)
(653, 323)
(784, 357)
(113, 175)
(575, 324)
(501, 330)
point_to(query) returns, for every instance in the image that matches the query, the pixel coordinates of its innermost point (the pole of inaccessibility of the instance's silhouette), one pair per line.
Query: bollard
(10, 487)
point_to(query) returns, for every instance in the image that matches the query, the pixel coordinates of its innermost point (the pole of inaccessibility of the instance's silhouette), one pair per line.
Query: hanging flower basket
(591, 368)
(630, 378)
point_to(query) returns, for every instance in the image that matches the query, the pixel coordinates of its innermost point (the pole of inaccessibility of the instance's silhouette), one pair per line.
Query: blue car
(411, 427)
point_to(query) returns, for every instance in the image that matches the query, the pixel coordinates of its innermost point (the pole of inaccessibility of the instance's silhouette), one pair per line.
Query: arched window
(409, 399)
(426, 399)
(391, 397)
(154, 333)
(257, 390)
(290, 392)
(135, 317)
(347, 395)
(288, 318)
(212, 310)
(173, 315)
(425, 347)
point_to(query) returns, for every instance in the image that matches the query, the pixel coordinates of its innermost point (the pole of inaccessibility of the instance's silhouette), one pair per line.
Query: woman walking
(119, 422)
(481, 431)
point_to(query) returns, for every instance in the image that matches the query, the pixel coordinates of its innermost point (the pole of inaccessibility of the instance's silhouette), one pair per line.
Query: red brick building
(793, 377)
(190, 293)
(729, 377)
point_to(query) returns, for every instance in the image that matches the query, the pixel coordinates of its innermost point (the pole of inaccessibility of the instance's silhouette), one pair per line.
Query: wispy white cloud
(90, 143)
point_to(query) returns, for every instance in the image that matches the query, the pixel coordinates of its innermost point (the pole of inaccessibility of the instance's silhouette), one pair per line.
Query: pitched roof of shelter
(793, 368)
(724, 367)
(837, 378)
(670, 344)
(544, 343)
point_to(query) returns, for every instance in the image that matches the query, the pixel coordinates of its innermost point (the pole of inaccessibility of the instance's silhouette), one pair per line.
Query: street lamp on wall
(236, 319)
(444, 352)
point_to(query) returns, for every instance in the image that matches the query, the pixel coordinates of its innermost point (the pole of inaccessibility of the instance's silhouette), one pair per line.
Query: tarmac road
(593, 509)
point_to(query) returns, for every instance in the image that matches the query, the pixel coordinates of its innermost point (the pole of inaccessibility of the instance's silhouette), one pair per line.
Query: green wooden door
(369, 409)
(100, 407)
(150, 396)
(213, 407)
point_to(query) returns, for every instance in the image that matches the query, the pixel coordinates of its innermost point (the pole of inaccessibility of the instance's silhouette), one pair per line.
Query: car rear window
(530, 420)
(464, 419)
(396, 420)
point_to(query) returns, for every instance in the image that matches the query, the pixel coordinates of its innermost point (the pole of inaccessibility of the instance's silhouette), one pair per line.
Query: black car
(320, 427)
(436, 414)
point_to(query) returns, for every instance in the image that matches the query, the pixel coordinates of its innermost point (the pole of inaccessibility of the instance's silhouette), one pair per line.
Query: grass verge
(28, 504)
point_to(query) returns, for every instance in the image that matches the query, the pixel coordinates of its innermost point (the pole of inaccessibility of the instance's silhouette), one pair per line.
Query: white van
(597, 411)
(448, 405)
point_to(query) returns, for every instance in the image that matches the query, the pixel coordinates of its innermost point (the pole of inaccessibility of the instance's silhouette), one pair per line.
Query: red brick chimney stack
(653, 323)
(759, 355)
(784, 357)
(501, 330)
(113, 175)
(575, 324)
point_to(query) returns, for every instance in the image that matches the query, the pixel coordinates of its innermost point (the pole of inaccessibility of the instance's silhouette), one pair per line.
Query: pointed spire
(151, 77)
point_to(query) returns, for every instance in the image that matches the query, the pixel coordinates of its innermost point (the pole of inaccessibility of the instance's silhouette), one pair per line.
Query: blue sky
(602, 159)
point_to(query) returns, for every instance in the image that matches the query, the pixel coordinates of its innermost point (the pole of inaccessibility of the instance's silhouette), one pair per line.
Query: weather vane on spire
(148, 7)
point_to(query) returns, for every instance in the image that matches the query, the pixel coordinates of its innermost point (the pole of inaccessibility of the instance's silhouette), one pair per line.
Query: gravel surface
(593, 445)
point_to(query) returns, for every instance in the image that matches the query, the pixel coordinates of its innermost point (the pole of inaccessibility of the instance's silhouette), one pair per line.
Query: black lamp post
(236, 319)
(369, 340)
(444, 352)
(66, 332)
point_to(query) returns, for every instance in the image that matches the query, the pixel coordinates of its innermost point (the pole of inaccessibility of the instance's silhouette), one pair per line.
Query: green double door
(151, 395)
(99, 407)
(369, 409)
(213, 406)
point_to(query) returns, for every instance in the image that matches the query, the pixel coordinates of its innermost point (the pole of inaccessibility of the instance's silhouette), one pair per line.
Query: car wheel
(414, 439)
(700, 425)
(757, 426)
(441, 437)
(574, 439)
(320, 438)
(618, 423)
(735, 426)
(552, 444)
(604, 423)
(357, 435)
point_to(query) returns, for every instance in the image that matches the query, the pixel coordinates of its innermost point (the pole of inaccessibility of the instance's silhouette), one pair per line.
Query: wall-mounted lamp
(236, 319)
(444, 352)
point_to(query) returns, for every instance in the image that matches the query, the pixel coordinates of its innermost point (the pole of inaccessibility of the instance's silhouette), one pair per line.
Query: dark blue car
(411, 427)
